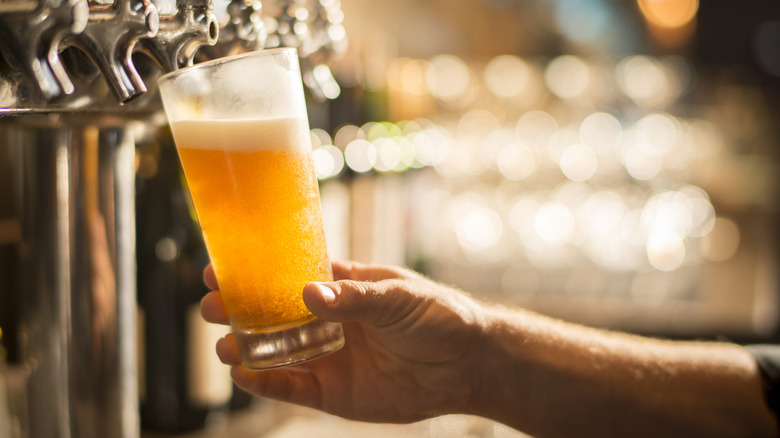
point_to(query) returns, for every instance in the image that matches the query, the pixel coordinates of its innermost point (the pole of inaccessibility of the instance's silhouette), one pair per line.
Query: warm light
(601, 131)
(702, 211)
(300, 28)
(413, 77)
(448, 77)
(567, 76)
(388, 154)
(328, 161)
(408, 159)
(668, 214)
(661, 130)
(430, 147)
(516, 161)
(641, 160)
(478, 123)
(336, 32)
(301, 14)
(669, 13)
(360, 155)
(507, 76)
(665, 251)
(559, 142)
(476, 226)
(578, 162)
(536, 128)
(554, 223)
(407, 76)
(602, 215)
(521, 216)
(345, 134)
(645, 81)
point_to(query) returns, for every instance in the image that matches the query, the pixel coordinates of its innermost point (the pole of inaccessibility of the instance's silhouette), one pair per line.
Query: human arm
(417, 349)
(551, 378)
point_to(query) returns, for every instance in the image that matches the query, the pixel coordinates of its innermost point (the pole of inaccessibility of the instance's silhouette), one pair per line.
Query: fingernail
(327, 293)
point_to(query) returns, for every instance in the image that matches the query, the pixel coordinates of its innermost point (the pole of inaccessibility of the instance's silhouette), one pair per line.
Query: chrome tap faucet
(244, 31)
(109, 39)
(181, 35)
(30, 34)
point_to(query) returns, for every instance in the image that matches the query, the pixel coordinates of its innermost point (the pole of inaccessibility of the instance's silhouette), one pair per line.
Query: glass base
(270, 349)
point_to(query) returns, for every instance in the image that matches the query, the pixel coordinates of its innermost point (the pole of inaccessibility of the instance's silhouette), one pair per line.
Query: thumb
(376, 303)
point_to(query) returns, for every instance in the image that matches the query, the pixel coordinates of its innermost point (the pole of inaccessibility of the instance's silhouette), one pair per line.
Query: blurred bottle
(182, 384)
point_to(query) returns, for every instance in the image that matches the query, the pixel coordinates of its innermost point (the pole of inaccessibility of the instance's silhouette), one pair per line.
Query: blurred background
(609, 162)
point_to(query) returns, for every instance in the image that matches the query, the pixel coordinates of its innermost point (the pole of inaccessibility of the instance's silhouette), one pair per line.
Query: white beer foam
(243, 135)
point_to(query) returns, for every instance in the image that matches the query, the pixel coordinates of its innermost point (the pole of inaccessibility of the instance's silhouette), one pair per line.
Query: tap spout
(109, 40)
(30, 36)
(181, 35)
(243, 32)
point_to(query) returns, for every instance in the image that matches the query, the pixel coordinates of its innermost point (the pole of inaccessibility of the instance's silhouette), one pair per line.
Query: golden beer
(242, 132)
(256, 196)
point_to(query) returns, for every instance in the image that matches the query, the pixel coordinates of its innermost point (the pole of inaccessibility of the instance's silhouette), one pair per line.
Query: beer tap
(30, 35)
(181, 35)
(243, 32)
(109, 39)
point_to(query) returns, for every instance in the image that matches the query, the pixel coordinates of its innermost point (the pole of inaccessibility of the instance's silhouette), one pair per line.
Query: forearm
(551, 378)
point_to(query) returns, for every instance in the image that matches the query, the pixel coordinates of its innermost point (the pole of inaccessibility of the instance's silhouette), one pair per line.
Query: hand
(409, 352)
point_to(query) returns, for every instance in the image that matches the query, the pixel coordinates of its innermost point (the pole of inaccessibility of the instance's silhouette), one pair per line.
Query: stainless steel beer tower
(76, 94)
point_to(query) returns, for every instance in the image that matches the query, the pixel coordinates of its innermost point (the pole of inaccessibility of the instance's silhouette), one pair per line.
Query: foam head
(244, 135)
(265, 84)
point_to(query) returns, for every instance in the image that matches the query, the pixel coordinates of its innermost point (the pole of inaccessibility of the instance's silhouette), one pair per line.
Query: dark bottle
(182, 384)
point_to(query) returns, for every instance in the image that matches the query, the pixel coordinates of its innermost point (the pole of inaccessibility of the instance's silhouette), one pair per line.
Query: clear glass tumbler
(242, 133)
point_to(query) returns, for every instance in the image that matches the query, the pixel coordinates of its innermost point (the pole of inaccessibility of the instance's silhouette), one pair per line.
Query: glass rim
(224, 60)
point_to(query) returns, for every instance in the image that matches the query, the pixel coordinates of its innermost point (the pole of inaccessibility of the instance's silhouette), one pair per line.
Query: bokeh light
(360, 155)
(669, 13)
(568, 77)
(508, 76)
(579, 162)
(449, 79)
(598, 186)
(645, 81)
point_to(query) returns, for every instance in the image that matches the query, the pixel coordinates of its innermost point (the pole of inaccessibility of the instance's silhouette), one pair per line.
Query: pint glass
(242, 133)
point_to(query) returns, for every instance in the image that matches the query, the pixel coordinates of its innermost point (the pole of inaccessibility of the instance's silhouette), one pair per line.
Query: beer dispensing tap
(109, 39)
(244, 31)
(30, 33)
(180, 36)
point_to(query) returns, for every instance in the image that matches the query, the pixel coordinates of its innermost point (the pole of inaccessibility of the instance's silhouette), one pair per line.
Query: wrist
(493, 371)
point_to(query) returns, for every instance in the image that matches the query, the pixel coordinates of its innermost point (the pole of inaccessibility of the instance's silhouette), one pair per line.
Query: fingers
(210, 278)
(376, 303)
(285, 384)
(213, 309)
(348, 270)
(227, 350)
(293, 385)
